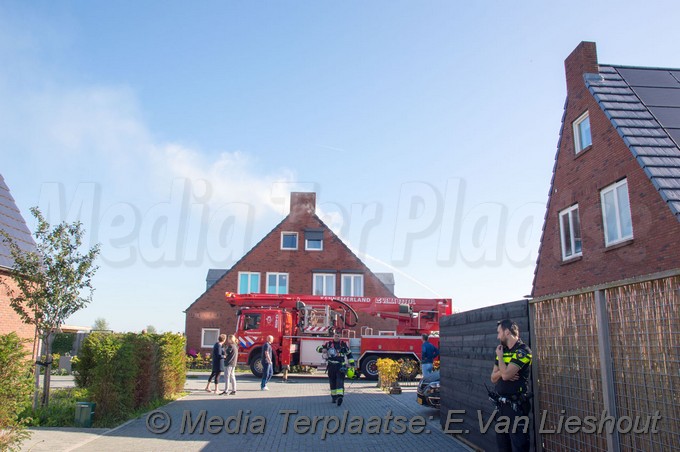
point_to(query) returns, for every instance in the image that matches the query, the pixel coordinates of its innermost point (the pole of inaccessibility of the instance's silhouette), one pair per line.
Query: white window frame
(286, 233)
(327, 287)
(572, 239)
(351, 290)
(617, 209)
(308, 248)
(210, 345)
(277, 274)
(250, 275)
(578, 145)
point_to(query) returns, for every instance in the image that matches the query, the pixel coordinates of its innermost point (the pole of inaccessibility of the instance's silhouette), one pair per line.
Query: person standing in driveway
(230, 361)
(429, 353)
(217, 357)
(267, 363)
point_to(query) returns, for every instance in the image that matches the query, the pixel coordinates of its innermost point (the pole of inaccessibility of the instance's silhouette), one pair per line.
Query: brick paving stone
(261, 425)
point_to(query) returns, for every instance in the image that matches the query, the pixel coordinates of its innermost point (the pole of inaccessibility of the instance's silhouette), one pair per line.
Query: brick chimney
(302, 203)
(583, 60)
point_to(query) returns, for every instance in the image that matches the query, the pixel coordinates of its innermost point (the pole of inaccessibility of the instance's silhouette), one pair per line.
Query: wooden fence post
(604, 345)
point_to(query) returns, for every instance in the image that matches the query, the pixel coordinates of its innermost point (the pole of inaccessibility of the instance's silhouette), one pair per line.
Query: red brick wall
(656, 231)
(9, 319)
(211, 309)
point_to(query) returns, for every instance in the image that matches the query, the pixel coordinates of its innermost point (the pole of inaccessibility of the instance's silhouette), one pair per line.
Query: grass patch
(60, 412)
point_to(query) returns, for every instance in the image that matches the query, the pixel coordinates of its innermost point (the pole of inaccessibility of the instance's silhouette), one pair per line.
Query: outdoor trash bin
(84, 414)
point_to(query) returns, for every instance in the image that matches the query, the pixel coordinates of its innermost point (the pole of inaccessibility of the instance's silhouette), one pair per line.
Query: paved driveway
(297, 415)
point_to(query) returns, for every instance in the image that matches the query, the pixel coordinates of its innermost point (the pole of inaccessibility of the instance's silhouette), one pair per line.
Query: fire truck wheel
(256, 367)
(409, 369)
(369, 367)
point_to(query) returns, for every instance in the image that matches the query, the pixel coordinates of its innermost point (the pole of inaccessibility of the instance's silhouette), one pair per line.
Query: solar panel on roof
(675, 134)
(649, 77)
(669, 117)
(659, 97)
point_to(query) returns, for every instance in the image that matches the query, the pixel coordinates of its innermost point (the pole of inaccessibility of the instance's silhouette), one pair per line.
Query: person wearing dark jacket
(217, 362)
(335, 352)
(511, 374)
(230, 360)
(429, 352)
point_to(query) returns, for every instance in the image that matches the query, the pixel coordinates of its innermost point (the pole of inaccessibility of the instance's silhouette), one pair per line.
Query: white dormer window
(582, 137)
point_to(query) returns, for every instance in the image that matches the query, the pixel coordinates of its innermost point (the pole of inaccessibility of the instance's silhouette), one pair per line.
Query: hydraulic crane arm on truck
(299, 323)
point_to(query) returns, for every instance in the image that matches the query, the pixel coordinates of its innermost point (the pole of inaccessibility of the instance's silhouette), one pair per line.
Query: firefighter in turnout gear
(335, 352)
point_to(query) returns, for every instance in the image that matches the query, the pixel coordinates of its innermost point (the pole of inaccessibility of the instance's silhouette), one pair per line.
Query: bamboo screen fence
(568, 379)
(643, 320)
(645, 342)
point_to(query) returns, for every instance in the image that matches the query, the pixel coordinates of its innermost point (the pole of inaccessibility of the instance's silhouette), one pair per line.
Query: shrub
(388, 370)
(61, 410)
(15, 390)
(125, 372)
(173, 368)
(63, 343)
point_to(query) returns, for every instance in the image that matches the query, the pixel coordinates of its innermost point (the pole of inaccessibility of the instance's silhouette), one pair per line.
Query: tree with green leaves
(53, 282)
(100, 324)
(151, 329)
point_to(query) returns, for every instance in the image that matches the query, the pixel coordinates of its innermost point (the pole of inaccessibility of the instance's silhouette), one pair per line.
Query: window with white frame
(616, 218)
(277, 283)
(289, 240)
(352, 286)
(324, 284)
(248, 282)
(209, 336)
(570, 232)
(314, 240)
(582, 137)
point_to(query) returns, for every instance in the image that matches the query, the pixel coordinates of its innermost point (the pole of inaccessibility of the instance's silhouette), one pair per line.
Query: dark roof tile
(668, 182)
(646, 132)
(659, 161)
(648, 120)
(638, 123)
(629, 114)
(13, 223)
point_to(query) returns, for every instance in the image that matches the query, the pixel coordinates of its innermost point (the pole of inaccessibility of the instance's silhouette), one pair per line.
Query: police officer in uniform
(335, 352)
(510, 374)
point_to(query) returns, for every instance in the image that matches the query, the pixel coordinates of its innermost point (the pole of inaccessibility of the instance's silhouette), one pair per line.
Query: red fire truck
(300, 323)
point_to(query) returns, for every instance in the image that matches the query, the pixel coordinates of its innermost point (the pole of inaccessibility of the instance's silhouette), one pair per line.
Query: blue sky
(174, 132)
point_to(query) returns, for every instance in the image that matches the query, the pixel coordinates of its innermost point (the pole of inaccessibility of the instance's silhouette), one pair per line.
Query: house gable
(629, 146)
(210, 310)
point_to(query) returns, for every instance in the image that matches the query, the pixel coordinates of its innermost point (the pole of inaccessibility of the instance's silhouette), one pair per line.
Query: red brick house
(13, 223)
(606, 309)
(301, 255)
(614, 204)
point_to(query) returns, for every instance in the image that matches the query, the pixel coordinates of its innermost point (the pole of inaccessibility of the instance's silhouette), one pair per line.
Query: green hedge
(126, 372)
(15, 389)
(63, 343)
